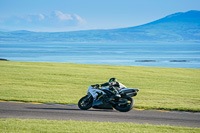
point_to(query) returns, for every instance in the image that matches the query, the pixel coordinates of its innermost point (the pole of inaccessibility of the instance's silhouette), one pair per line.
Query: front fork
(89, 95)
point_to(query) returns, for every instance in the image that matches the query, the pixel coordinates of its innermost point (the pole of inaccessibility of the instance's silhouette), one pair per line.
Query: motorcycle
(123, 102)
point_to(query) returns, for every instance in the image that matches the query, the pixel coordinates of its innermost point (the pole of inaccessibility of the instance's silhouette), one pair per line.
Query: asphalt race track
(72, 112)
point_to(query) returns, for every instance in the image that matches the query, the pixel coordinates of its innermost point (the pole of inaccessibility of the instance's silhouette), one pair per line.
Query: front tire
(125, 107)
(85, 102)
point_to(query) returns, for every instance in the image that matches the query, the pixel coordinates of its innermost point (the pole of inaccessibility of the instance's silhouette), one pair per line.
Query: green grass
(48, 126)
(160, 88)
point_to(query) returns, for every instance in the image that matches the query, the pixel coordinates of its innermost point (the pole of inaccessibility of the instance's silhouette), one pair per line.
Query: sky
(73, 15)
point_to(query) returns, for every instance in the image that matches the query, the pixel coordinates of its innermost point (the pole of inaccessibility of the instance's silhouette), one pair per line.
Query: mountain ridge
(177, 27)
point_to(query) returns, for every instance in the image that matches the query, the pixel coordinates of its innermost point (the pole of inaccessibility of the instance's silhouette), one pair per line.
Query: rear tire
(85, 102)
(125, 107)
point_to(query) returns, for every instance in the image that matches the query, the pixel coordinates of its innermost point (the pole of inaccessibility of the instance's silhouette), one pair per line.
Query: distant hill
(178, 27)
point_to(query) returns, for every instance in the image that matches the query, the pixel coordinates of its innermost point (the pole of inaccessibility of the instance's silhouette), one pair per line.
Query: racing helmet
(112, 80)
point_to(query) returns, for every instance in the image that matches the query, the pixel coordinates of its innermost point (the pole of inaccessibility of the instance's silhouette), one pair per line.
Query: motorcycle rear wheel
(85, 102)
(125, 107)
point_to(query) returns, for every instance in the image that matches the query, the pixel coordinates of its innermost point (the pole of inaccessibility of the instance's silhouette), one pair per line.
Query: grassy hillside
(52, 126)
(160, 88)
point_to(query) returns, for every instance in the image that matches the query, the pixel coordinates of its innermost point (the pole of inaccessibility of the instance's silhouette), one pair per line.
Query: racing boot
(116, 93)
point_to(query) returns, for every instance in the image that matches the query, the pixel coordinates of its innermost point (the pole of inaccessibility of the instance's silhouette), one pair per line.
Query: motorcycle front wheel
(124, 104)
(85, 102)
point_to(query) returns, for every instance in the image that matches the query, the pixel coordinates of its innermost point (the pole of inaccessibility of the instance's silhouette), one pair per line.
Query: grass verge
(66, 83)
(35, 126)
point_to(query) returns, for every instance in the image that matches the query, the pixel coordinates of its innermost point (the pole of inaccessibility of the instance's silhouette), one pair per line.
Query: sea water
(154, 55)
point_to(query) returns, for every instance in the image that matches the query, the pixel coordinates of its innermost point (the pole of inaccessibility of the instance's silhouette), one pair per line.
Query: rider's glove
(97, 86)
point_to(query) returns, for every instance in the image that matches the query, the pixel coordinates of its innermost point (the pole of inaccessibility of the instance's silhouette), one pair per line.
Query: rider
(112, 85)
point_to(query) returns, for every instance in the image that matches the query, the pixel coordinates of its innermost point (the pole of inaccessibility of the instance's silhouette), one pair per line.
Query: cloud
(32, 18)
(55, 20)
(63, 16)
(80, 20)
(41, 16)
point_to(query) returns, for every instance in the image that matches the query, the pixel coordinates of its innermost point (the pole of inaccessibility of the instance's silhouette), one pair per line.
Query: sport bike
(123, 102)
